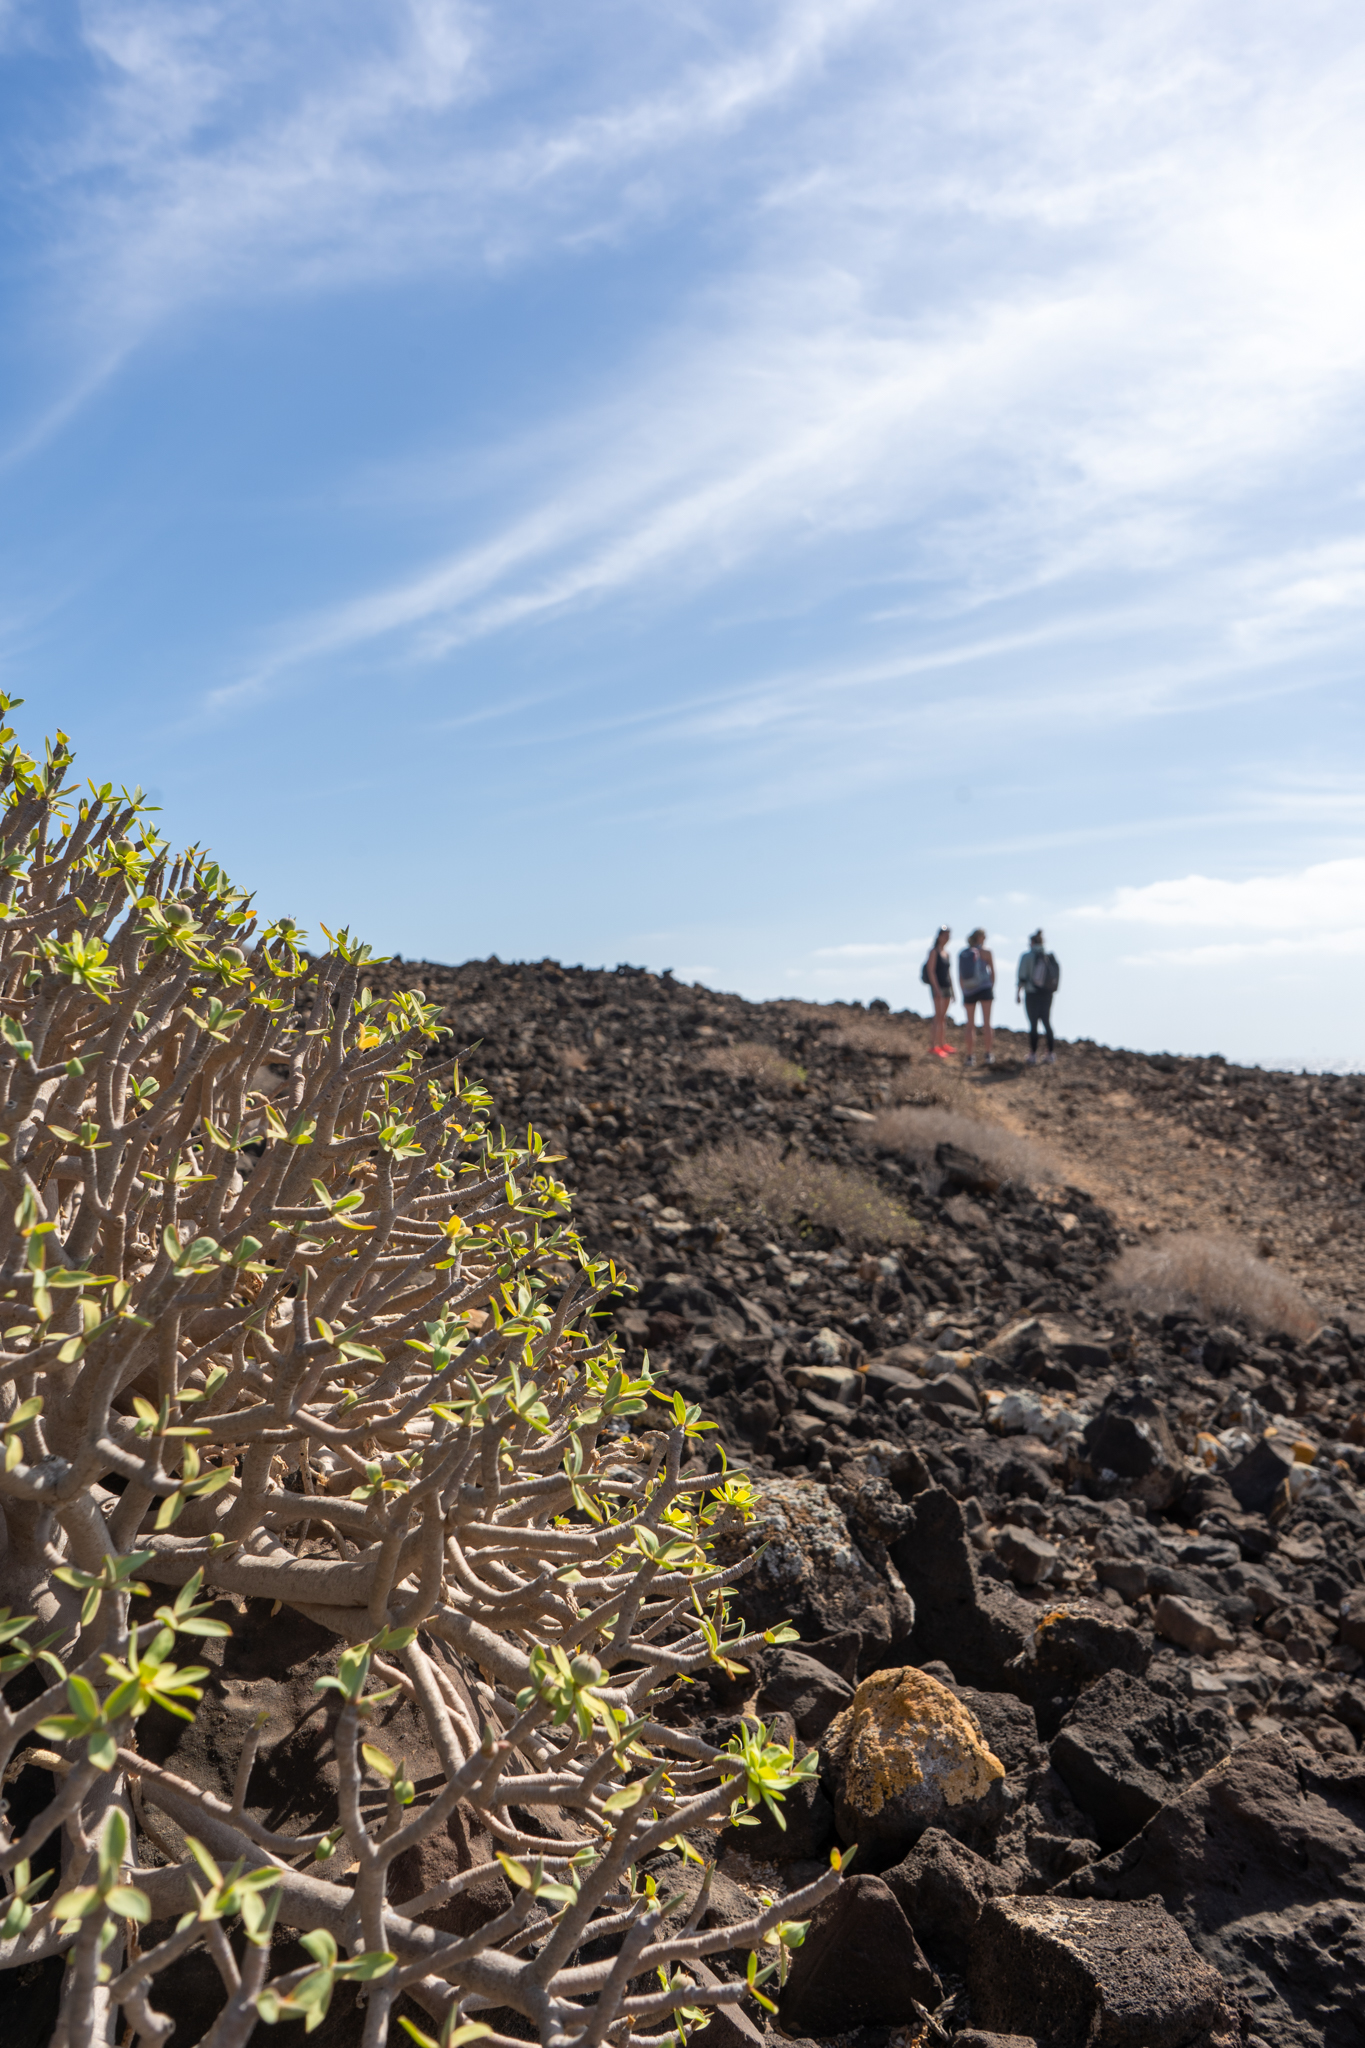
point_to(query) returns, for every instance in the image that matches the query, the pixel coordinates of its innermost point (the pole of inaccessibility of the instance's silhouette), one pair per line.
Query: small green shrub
(272, 1272)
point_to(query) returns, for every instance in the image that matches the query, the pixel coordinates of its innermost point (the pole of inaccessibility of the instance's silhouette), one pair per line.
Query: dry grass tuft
(1216, 1278)
(886, 1037)
(751, 1176)
(754, 1061)
(917, 1132)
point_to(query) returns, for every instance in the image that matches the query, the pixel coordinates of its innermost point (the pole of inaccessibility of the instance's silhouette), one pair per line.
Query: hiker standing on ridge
(938, 973)
(976, 975)
(1038, 980)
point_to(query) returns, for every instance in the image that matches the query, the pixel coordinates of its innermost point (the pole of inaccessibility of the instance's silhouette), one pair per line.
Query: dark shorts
(980, 995)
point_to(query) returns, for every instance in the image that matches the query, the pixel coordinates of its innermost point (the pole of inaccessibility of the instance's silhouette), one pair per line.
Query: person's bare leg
(971, 1031)
(987, 1034)
(940, 1018)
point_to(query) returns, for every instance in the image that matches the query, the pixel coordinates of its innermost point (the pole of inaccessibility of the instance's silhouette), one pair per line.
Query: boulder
(942, 1886)
(1125, 1749)
(809, 1571)
(1023, 1345)
(1030, 1558)
(963, 1172)
(1193, 1627)
(1068, 1650)
(1353, 1621)
(904, 1756)
(801, 1686)
(1130, 1442)
(950, 1399)
(1262, 1861)
(1258, 1476)
(1092, 1974)
(1008, 1723)
(859, 1965)
(976, 1628)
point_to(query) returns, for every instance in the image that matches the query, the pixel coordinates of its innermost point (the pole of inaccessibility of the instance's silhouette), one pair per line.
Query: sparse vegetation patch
(1216, 1278)
(757, 1176)
(917, 1133)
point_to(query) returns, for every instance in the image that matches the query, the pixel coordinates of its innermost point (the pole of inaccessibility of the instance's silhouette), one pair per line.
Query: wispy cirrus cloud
(234, 150)
(1105, 380)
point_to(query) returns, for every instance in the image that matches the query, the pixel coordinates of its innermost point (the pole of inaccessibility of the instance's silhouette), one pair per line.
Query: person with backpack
(1038, 980)
(937, 972)
(976, 976)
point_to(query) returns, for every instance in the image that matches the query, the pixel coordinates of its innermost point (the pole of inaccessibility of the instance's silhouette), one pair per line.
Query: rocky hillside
(1095, 1567)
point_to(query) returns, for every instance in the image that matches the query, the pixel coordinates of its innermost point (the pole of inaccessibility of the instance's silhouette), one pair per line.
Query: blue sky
(720, 487)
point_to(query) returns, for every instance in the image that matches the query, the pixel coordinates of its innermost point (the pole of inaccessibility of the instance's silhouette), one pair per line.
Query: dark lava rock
(809, 1691)
(859, 1965)
(1130, 1440)
(942, 1886)
(1008, 1723)
(1030, 1558)
(1096, 1975)
(806, 1828)
(1257, 1477)
(1262, 1861)
(963, 1172)
(1069, 1651)
(976, 1628)
(810, 1572)
(1124, 1750)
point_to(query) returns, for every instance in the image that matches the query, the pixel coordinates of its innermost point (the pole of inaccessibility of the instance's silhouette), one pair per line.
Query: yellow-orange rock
(907, 1755)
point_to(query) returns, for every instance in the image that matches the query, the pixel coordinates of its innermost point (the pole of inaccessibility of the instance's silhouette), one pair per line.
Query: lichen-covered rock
(810, 1572)
(905, 1756)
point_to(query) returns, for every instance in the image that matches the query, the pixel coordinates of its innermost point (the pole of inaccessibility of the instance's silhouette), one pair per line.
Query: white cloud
(1335, 943)
(1303, 904)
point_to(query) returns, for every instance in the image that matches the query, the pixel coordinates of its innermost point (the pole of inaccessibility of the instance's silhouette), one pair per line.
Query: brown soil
(1275, 1159)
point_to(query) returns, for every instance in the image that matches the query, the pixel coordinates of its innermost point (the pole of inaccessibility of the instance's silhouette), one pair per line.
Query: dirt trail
(1276, 1160)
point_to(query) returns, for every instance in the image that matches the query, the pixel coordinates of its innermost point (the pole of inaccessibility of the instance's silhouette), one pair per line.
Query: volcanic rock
(1125, 1749)
(942, 1885)
(806, 1689)
(1089, 1975)
(859, 1965)
(906, 1755)
(811, 1572)
(1262, 1861)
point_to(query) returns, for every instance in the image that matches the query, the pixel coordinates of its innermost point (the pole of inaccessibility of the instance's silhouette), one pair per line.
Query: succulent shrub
(287, 1316)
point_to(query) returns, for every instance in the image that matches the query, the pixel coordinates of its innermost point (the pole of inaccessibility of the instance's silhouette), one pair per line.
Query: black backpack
(1047, 975)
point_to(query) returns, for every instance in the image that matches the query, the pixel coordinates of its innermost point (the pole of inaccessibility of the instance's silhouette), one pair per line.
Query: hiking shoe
(1052, 1059)
(1032, 1060)
(990, 1059)
(970, 1060)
